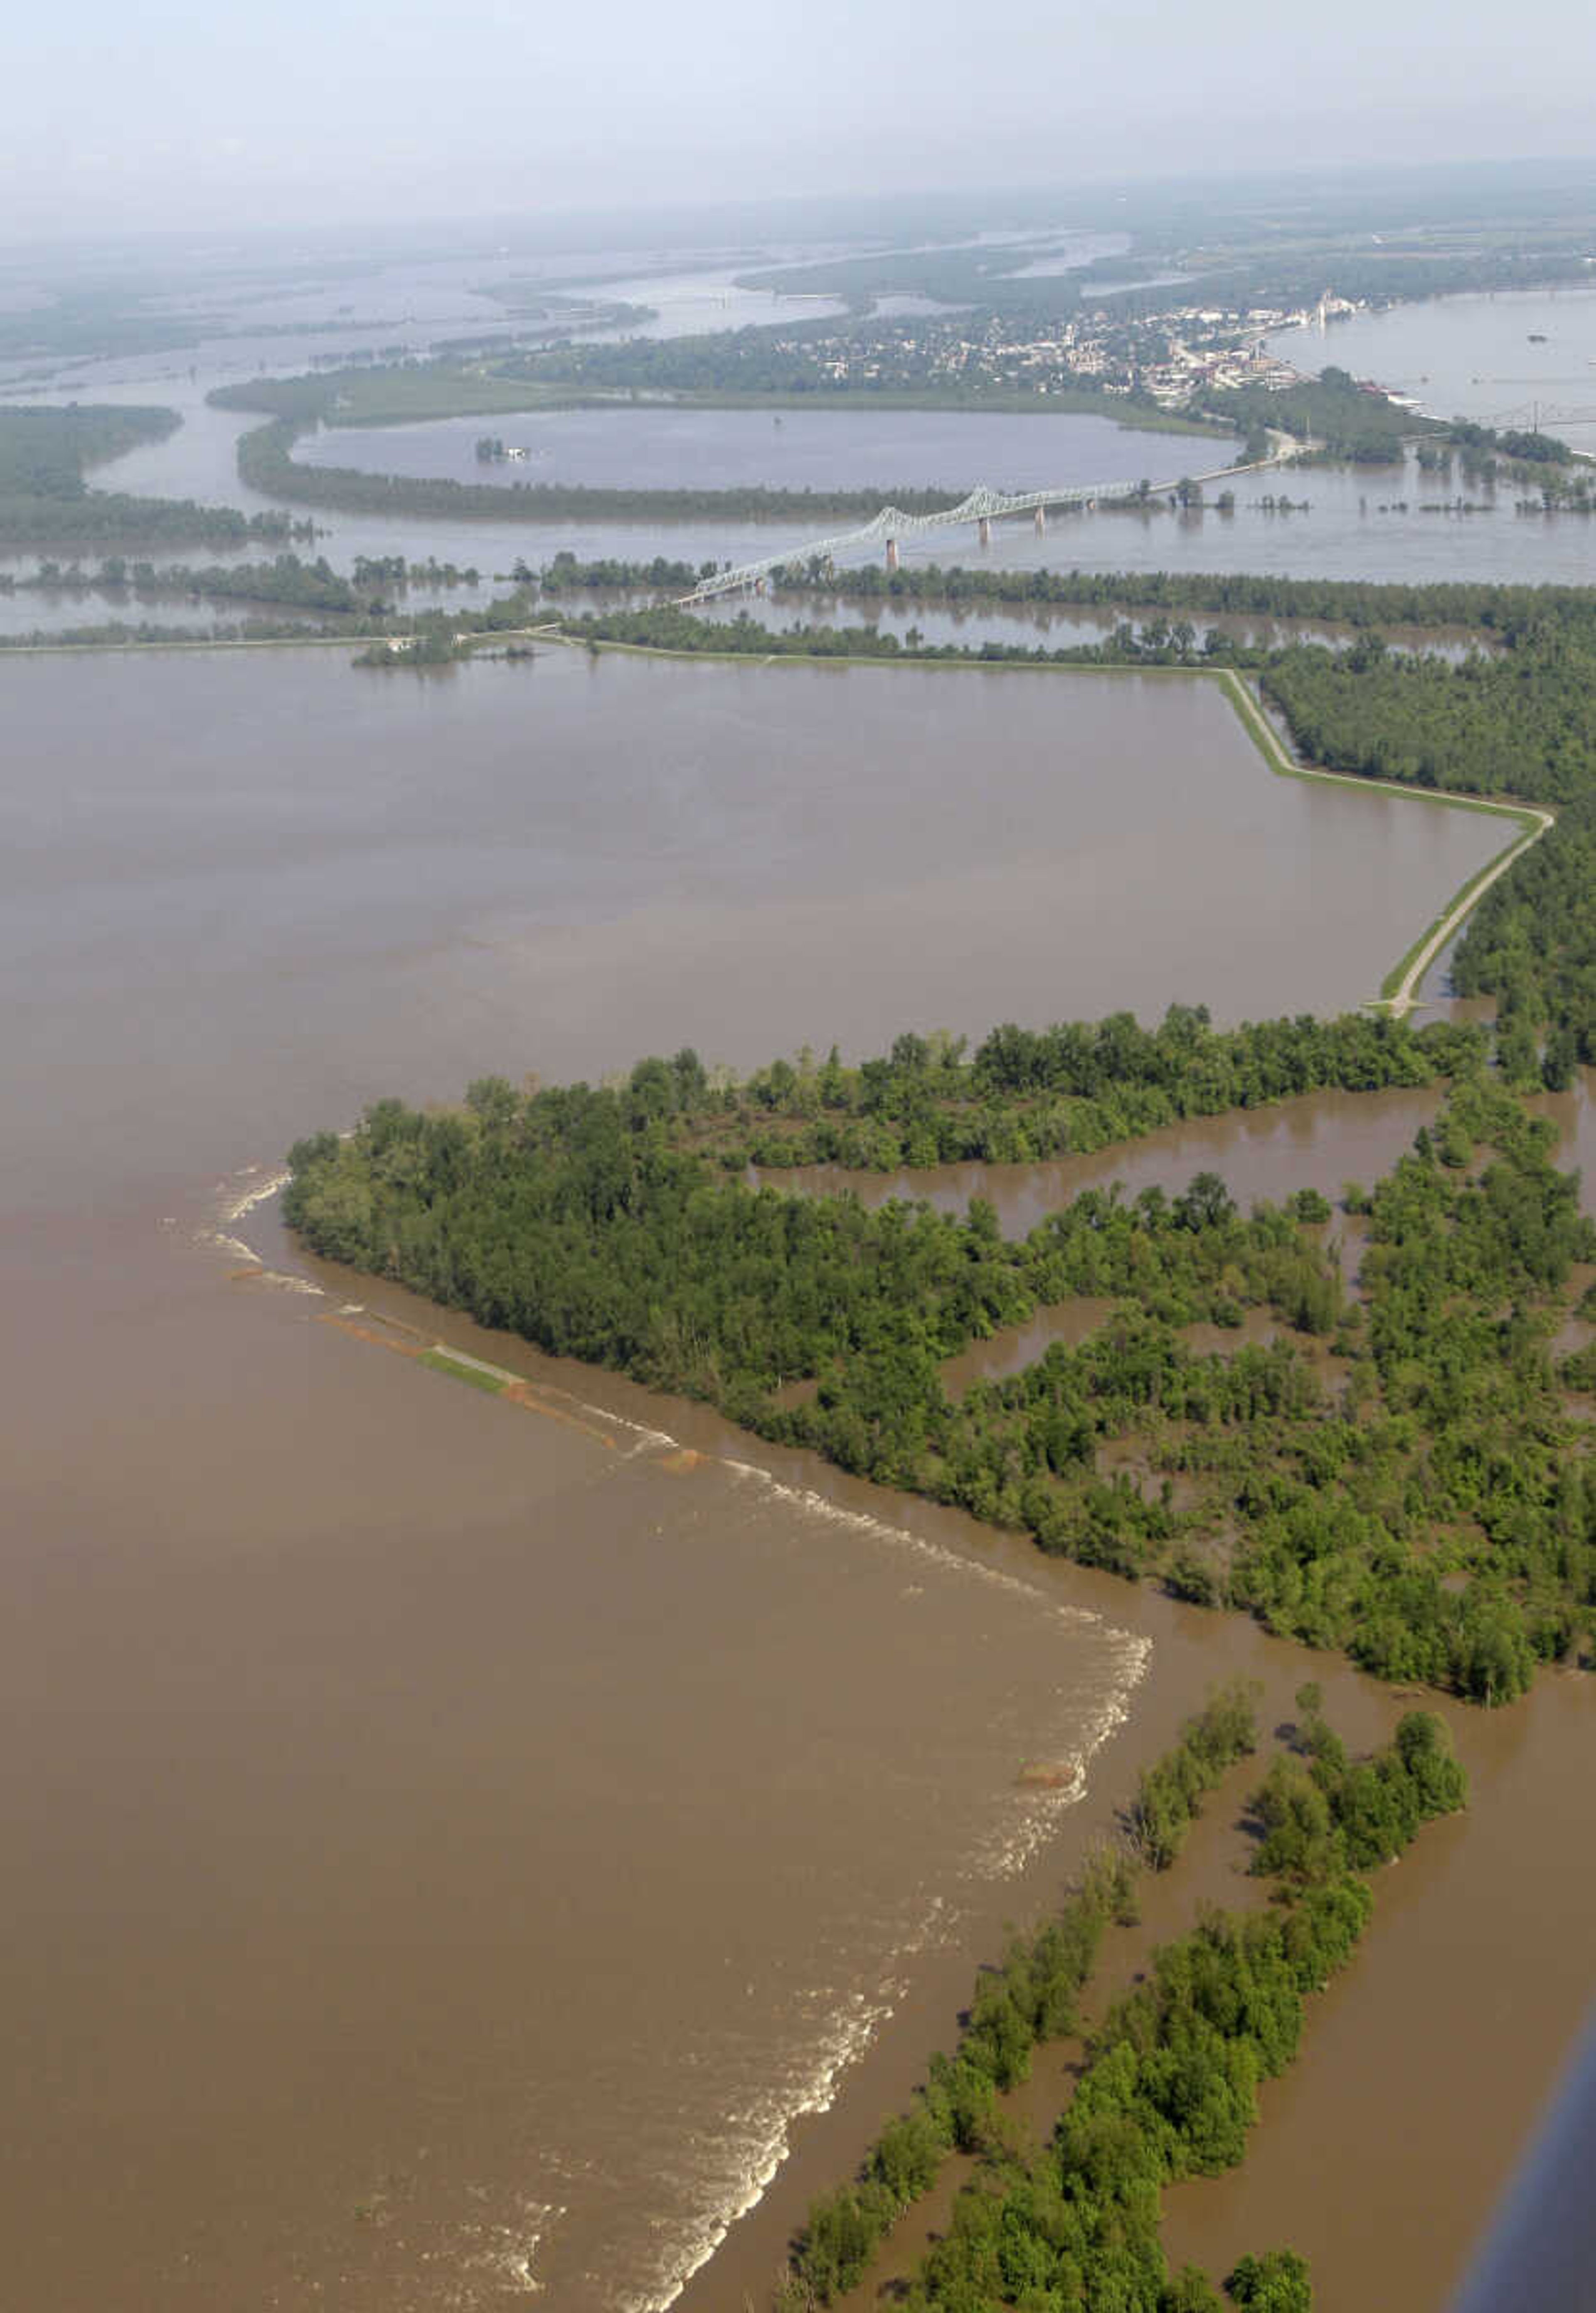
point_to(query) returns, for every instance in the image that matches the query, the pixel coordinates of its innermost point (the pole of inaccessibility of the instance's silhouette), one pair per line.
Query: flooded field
(655, 448)
(565, 864)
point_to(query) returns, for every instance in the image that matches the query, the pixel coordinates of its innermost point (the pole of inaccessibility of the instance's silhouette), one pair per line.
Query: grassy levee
(1531, 821)
(1397, 988)
(467, 1369)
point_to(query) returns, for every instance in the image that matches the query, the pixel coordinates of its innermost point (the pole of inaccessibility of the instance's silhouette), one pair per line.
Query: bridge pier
(1041, 522)
(983, 530)
(891, 554)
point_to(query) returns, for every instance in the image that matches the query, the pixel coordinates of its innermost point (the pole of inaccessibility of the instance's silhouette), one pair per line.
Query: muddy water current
(452, 1843)
(455, 1846)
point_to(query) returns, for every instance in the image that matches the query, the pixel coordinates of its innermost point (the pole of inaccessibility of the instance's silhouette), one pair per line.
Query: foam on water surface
(748, 2080)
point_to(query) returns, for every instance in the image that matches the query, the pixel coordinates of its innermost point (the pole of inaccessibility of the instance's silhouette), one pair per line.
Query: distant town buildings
(1172, 357)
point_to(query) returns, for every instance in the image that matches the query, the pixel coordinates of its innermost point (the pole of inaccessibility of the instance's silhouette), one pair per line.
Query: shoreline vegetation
(1406, 1485)
(1167, 2084)
(1503, 615)
(287, 580)
(652, 373)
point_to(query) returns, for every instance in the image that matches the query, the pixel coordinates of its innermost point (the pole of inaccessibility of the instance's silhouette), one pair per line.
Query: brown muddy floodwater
(450, 1845)
(1323, 1141)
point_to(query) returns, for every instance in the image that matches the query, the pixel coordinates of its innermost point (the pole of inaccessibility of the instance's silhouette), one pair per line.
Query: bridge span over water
(982, 507)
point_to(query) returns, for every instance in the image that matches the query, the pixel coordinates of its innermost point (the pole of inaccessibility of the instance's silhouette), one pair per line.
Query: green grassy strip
(475, 1377)
(1531, 824)
(1532, 828)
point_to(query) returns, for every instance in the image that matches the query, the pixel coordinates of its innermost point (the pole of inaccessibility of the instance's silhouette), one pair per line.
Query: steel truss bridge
(983, 507)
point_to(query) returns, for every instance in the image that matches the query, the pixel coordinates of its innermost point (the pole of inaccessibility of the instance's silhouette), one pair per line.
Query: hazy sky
(121, 116)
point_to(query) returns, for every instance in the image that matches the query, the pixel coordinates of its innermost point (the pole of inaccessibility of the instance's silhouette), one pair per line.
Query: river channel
(1518, 358)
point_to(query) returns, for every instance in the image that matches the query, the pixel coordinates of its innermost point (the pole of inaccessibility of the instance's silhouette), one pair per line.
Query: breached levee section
(1027, 1817)
(782, 1873)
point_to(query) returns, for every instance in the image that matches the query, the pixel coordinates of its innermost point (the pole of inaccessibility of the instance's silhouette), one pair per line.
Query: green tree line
(1417, 1500)
(46, 500)
(1508, 613)
(1029, 1998)
(286, 578)
(1025, 1095)
(1342, 418)
(1170, 2086)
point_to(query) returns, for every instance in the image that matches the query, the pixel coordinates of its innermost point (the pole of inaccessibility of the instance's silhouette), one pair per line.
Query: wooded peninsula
(1398, 1476)
(46, 500)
